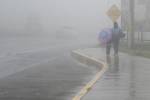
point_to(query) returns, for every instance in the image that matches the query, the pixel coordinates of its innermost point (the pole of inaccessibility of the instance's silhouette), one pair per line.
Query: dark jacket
(117, 34)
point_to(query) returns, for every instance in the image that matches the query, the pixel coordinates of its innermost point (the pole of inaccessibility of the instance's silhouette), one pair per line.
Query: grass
(142, 49)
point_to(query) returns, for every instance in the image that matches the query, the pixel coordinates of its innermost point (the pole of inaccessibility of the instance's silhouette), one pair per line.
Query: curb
(89, 61)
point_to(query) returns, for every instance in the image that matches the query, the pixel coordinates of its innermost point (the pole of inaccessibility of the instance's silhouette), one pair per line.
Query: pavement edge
(85, 59)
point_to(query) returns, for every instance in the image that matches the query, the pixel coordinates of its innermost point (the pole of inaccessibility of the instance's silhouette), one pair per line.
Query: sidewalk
(129, 80)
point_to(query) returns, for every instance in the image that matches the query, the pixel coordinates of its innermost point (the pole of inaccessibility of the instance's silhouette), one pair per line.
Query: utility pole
(131, 24)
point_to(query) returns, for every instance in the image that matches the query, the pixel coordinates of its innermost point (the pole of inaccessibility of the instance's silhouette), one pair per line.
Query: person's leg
(116, 46)
(108, 47)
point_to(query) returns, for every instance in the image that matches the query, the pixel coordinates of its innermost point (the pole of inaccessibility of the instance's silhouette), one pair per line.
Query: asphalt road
(41, 72)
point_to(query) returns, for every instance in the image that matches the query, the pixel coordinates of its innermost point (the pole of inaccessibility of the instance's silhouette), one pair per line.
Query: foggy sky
(48, 16)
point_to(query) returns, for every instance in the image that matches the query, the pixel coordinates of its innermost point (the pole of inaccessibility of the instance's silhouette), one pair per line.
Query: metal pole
(131, 21)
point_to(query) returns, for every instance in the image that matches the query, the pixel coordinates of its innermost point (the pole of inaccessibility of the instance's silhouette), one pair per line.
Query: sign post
(114, 13)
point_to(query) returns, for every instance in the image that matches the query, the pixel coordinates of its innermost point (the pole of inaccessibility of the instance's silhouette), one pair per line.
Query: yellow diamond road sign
(114, 13)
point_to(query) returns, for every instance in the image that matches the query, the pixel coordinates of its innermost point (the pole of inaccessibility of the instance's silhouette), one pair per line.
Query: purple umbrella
(105, 36)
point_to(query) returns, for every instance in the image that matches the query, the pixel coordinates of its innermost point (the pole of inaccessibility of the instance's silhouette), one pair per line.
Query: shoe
(116, 55)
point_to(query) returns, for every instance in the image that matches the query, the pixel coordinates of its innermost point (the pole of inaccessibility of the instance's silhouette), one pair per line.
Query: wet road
(41, 73)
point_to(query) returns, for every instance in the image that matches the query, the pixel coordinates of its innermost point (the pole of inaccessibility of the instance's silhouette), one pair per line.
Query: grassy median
(140, 49)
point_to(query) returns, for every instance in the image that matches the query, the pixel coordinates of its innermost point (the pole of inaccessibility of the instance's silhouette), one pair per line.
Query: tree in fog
(33, 25)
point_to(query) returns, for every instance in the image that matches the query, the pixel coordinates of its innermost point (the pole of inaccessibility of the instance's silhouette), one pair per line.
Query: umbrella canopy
(105, 36)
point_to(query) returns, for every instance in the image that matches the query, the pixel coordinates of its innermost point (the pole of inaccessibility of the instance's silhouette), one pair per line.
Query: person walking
(117, 34)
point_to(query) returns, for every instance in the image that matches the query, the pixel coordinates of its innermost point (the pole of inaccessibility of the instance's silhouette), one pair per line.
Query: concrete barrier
(87, 60)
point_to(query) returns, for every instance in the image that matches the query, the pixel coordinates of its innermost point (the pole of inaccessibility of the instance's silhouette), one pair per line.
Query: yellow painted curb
(89, 85)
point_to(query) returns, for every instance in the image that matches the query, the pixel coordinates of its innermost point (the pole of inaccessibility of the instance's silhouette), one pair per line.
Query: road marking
(89, 85)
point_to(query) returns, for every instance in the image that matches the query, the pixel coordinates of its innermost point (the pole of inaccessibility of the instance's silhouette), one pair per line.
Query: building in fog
(141, 15)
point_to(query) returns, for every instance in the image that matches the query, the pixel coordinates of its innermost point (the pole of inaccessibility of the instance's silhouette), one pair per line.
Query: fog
(32, 24)
(48, 17)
